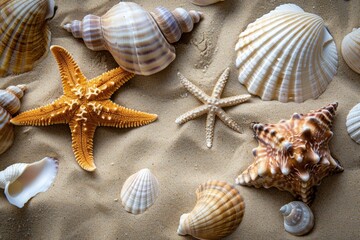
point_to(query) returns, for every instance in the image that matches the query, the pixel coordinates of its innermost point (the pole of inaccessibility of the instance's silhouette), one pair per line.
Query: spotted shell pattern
(138, 40)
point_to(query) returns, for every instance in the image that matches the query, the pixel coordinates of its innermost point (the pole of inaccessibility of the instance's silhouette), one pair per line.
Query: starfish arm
(234, 100)
(197, 92)
(220, 84)
(82, 134)
(112, 115)
(192, 114)
(210, 125)
(103, 86)
(60, 111)
(227, 120)
(70, 72)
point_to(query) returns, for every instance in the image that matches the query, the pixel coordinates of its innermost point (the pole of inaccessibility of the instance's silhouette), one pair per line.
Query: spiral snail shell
(9, 105)
(138, 40)
(298, 218)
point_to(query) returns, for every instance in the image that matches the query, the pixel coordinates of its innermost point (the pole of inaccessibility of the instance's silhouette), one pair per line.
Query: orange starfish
(84, 106)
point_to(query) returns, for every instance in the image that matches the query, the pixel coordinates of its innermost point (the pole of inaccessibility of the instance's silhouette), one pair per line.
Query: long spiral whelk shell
(139, 41)
(9, 105)
(286, 55)
(22, 181)
(218, 212)
(139, 191)
(24, 34)
(350, 49)
(353, 123)
(298, 218)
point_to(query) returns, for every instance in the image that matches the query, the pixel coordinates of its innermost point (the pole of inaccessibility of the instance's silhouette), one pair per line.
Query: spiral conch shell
(138, 40)
(286, 55)
(205, 2)
(23, 181)
(9, 105)
(218, 212)
(298, 218)
(350, 49)
(25, 37)
(139, 191)
(353, 123)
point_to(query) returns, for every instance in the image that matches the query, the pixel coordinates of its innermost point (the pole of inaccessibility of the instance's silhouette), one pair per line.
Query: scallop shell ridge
(353, 123)
(350, 49)
(286, 55)
(139, 191)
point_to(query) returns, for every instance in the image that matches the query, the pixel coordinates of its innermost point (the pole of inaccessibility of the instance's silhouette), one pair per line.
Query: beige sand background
(81, 205)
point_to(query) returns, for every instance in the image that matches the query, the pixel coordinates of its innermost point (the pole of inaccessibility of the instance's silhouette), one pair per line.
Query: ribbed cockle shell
(24, 35)
(9, 105)
(22, 181)
(138, 40)
(139, 191)
(218, 212)
(350, 49)
(353, 123)
(298, 218)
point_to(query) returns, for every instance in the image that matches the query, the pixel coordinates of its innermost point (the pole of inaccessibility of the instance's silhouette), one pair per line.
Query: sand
(82, 205)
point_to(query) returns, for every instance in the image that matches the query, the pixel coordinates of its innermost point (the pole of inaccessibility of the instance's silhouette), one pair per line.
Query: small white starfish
(212, 105)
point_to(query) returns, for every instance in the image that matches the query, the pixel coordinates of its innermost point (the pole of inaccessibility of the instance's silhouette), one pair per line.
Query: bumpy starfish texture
(293, 155)
(84, 106)
(212, 105)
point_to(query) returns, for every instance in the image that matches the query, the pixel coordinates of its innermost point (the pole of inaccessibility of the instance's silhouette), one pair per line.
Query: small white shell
(286, 55)
(139, 191)
(23, 181)
(350, 49)
(205, 2)
(353, 123)
(298, 218)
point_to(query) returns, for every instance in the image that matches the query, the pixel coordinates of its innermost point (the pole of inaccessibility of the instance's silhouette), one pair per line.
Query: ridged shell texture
(298, 218)
(353, 123)
(286, 55)
(138, 40)
(23, 181)
(25, 37)
(9, 105)
(139, 191)
(350, 49)
(218, 212)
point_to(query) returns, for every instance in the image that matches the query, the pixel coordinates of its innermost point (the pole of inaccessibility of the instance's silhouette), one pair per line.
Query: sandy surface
(82, 205)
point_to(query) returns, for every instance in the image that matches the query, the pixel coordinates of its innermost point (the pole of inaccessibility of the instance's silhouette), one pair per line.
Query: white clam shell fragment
(353, 123)
(286, 55)
(298, 218)
(139, 191)
(205, 2)
(350, 49)
(23, 181)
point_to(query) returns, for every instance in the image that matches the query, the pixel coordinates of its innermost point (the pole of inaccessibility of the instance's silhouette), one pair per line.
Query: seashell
(218, 212)
(23, 181)
(298, 218)
(353, 123)
(286, 55)
(139, 191)
(293, 155)
(138, 40)
(25, 37)
(9, 105)
(205, 2)
(350, 49)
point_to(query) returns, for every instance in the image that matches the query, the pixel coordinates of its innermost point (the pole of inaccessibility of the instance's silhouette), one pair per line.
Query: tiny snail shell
(298, 218)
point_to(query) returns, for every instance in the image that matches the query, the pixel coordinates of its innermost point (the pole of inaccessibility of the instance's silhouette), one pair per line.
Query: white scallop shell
(353, 123)
(205, 2)
(286, 55)
(298, 218)
(23, 181)
(350, 49)
(139, 191)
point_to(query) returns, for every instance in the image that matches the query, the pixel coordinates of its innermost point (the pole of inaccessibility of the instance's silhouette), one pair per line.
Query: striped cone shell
(9, 105)
(138, 40)
(139, 191)
(286, 55)
(25, 36)
(350, 49)
(218, 212)
(353, 123)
